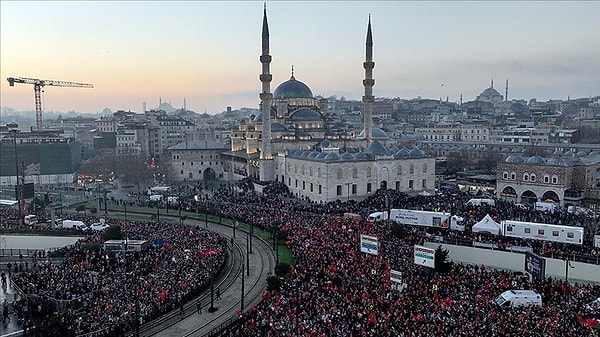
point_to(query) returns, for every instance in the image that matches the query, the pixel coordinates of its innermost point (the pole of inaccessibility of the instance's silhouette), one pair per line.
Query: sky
(208, 52)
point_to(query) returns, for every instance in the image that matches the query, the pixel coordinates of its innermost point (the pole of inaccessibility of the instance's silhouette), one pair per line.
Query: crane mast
(38, 84)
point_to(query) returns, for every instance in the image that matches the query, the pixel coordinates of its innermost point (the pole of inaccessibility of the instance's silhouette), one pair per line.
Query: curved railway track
(190, 324)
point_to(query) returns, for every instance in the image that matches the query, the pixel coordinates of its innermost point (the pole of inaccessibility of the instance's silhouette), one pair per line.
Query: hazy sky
(208, 52)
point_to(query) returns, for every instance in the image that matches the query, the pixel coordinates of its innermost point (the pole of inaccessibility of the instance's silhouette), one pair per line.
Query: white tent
(487, 224)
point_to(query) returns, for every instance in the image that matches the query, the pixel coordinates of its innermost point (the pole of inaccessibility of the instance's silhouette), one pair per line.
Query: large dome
(292, 89)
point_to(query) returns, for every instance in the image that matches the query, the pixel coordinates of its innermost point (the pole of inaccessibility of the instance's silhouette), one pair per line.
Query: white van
(479, 202)
(74, 224)
(377, 217)
(515, 298)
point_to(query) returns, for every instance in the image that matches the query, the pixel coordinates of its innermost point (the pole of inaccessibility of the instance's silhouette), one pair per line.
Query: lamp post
(212, 307)
(567, 267)
(242, 299)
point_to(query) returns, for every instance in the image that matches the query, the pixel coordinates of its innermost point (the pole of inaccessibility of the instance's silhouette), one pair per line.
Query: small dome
(332, 156)
(304, 115)
(557, 153)
(514, 159)
(505, 150)
(536, 160)
(516, 150)
(582, 154)
(277, 127)
(362, 156)
(554, 161)
(594, 154)
(496, 149)
(569, 154)
(324, 143)
(416, 153)
(292, 89)
(402, 153)
(548, 151)
(322, 155)
(376, 148)
(375, 133)
(347, 156)
(313, 154)
(305, 154)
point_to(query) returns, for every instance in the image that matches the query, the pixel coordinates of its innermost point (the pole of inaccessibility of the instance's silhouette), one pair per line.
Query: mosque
(296, 141)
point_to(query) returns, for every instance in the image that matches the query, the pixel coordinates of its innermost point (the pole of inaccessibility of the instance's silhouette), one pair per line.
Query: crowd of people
(96, 292)
(333, 289)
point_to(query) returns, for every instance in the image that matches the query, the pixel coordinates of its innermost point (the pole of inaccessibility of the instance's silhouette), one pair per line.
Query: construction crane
(37, 89)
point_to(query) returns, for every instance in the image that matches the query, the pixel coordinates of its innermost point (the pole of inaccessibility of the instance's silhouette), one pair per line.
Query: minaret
(492, 85)
(506, 92)
(368, 82)
(266, 156)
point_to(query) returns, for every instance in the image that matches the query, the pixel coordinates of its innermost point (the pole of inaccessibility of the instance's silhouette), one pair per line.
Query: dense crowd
(95, 291)
(334, 290)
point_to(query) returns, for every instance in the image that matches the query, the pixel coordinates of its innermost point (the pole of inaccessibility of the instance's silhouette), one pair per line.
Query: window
(319, 173)
(355, 173)
(532, 177)
(368, 172)
(410, 185)
(424, 167)
(397, 185)
(311, 187)
(369, 188)
(399, 170)
(554, 233)
(296, 180)
(527, 230)
(310, 173)
(526, 176)
(570, 235)
(304, 185)
(513, 176)
(339, 173)
(181, 171)
(182, 163)
(505, 175)
(554, 179)
(424, 184)
(320, 189)
(411, 169)
(354, 188)
(546, 178)
(339, 189)
(540, 232)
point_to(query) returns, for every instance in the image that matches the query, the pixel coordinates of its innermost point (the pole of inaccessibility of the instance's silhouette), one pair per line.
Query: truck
(516, 298)
(377, 216)
(31, 219)
(441, 220)
(544, 206)
(542, 231)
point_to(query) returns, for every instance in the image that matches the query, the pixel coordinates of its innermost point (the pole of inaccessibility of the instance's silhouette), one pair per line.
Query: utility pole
(242, 300)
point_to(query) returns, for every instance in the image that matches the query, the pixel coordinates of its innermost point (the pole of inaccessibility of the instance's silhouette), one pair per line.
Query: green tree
(442, 263)
(113, 233)
(274, 283)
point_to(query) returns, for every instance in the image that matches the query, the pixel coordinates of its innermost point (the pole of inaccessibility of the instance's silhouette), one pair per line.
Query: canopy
(487, 225)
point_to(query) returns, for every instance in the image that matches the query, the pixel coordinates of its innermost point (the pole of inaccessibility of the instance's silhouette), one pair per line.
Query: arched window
(310, 171)
(525, 176)
(546, 178)
(513, 176)
(505, 175)
(554, 179)
(532, 177)
(399, 170)
(368, 172)
(355, 173)
(339, 173)
(411, 169)
(318, 172)
(424, 167)
(302, 169)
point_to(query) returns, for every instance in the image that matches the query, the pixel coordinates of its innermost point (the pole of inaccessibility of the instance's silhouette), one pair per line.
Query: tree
(132, 169)
(113, 233)
(442, 263)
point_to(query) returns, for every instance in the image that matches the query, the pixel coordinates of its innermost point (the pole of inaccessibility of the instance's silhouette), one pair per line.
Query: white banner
(369, 244)
(597, 241)
(396, 276)
(424, 256)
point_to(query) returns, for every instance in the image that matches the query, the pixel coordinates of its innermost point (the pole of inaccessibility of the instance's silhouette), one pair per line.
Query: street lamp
(212, 307)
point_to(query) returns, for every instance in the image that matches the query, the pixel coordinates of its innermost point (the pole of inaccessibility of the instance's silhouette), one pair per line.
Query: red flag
(591, 322)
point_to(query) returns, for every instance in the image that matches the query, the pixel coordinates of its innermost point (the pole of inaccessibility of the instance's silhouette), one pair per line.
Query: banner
(396, 276)
(424, 256)
(369, 244)
(535, 265)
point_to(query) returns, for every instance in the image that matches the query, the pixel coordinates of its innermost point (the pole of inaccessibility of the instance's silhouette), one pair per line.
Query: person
(199, 306)
(5, 311)
(218, 294)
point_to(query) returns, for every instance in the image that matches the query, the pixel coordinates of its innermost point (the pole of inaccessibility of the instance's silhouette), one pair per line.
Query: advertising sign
(535, 265)
(424, 256)
(369, 244)
(597, 241)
